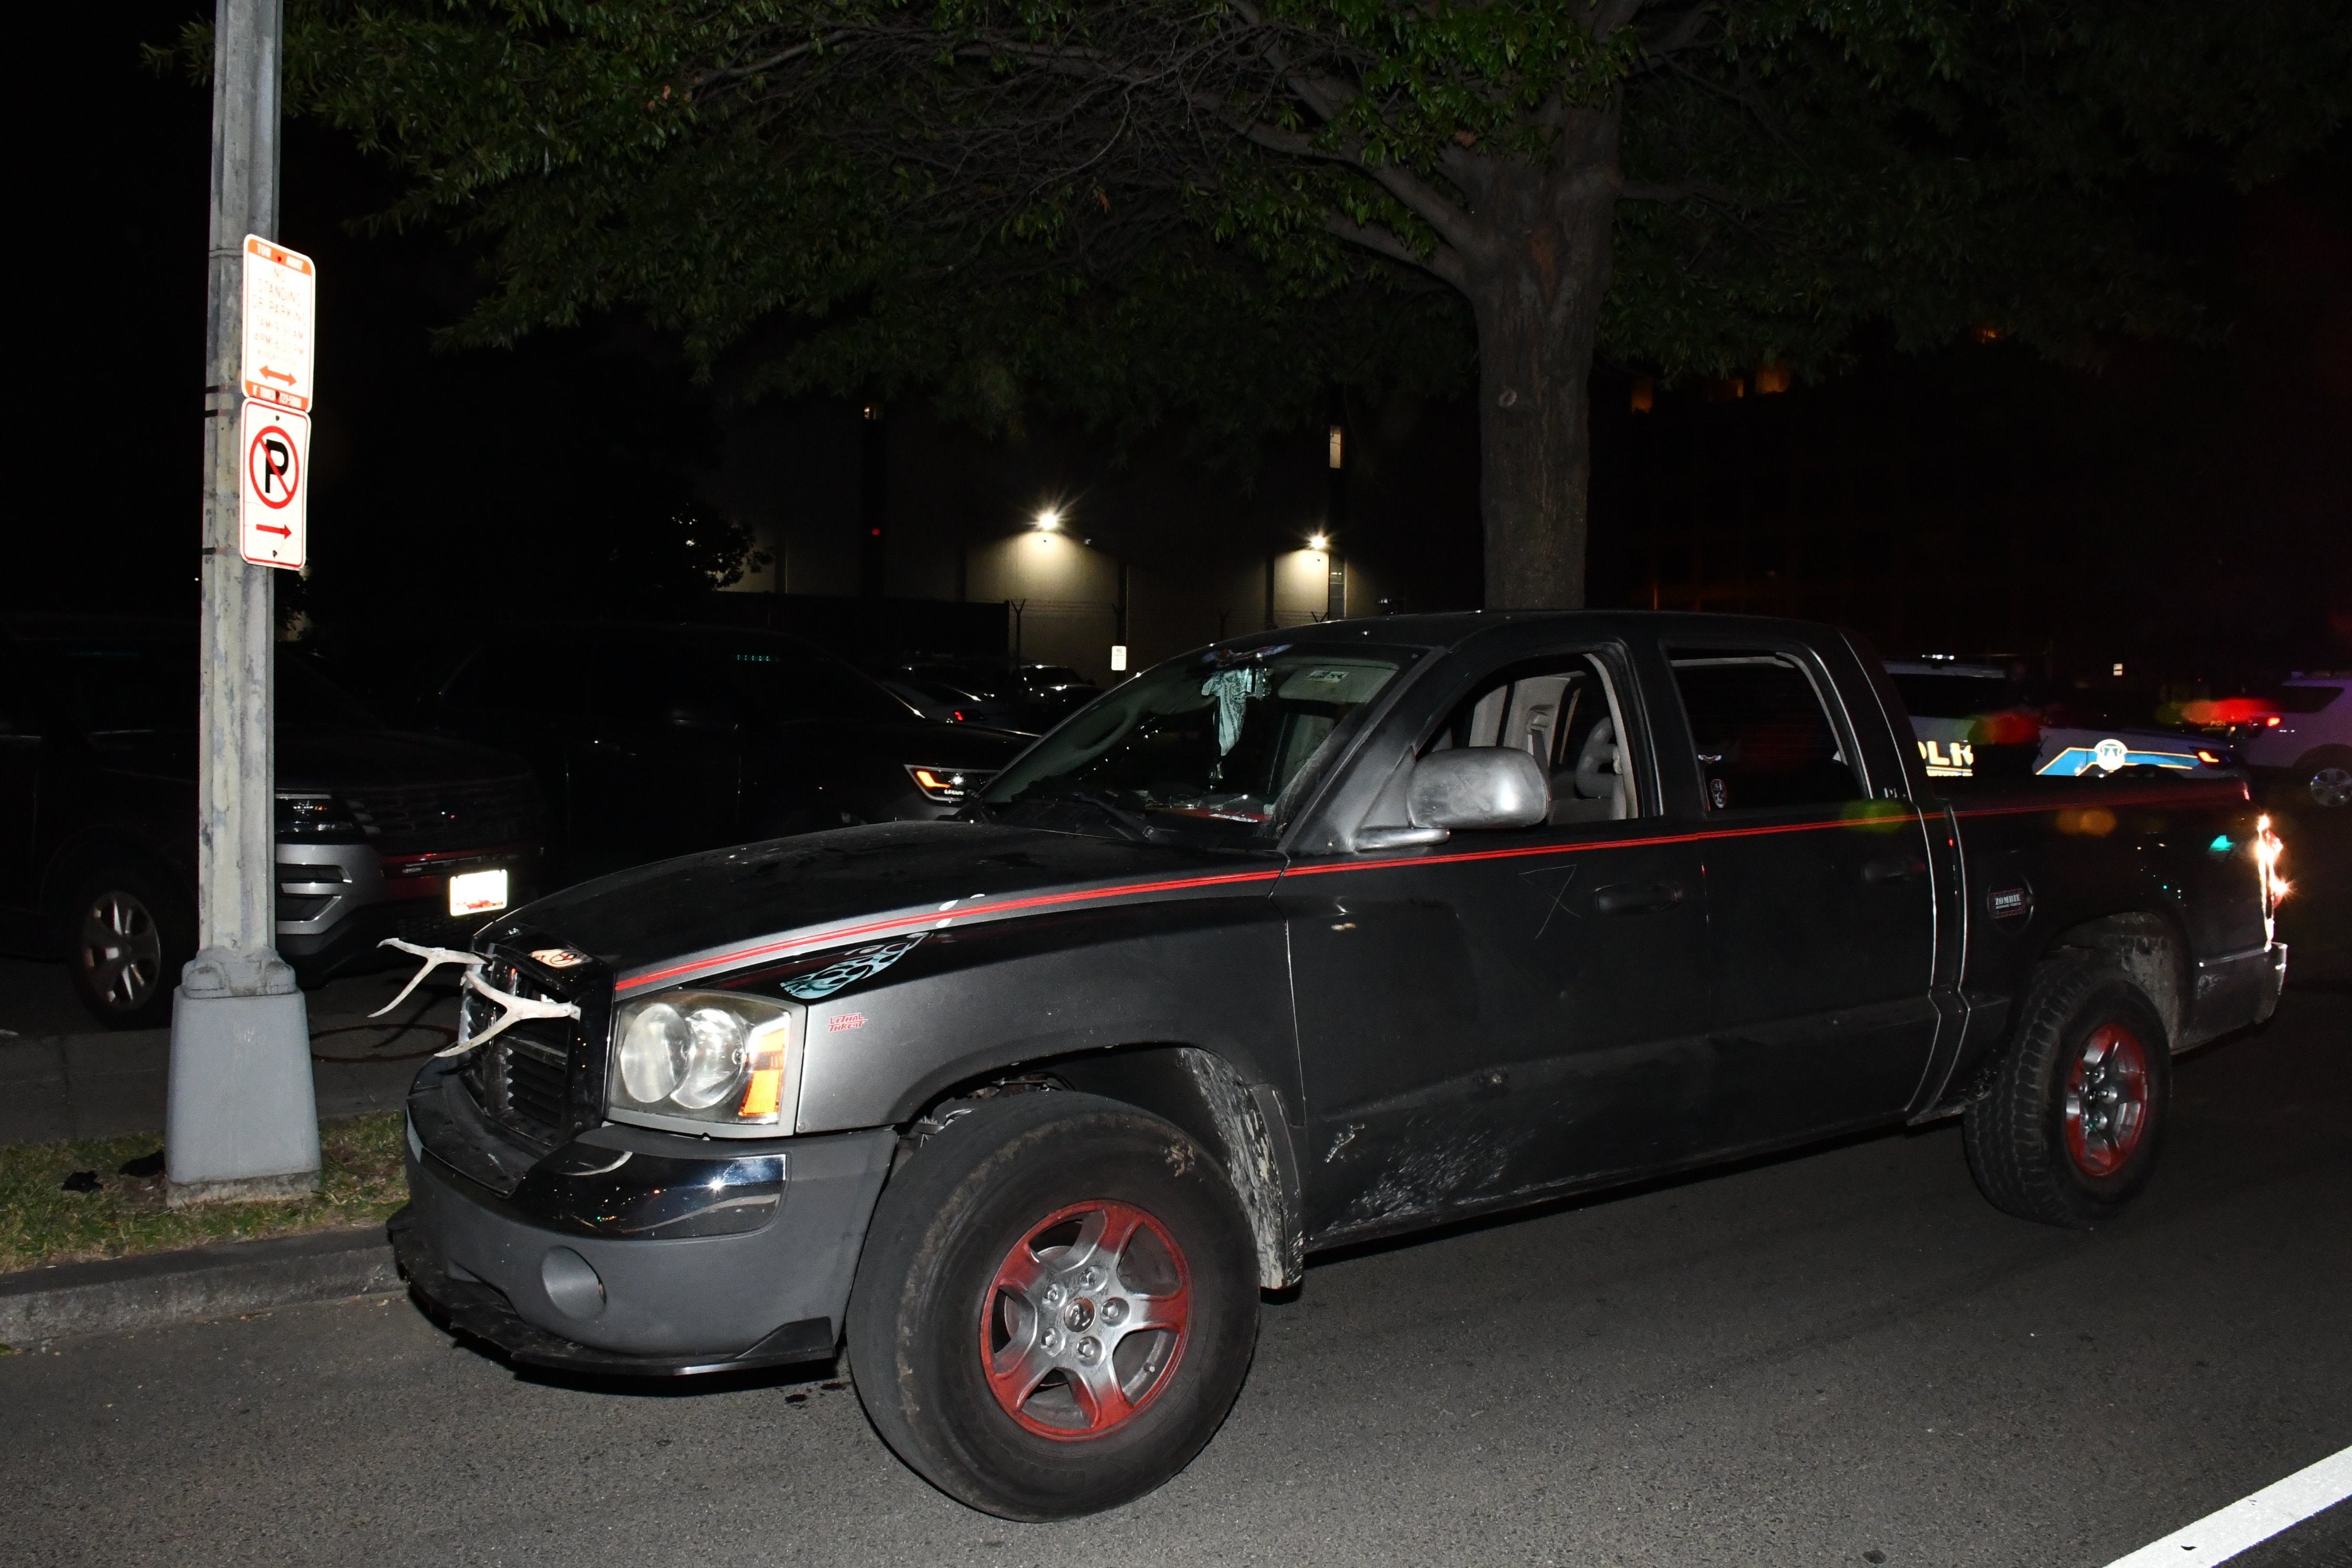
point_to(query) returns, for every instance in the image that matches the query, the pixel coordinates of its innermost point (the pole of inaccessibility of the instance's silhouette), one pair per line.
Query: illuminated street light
(1319, 542)
(1050, 518)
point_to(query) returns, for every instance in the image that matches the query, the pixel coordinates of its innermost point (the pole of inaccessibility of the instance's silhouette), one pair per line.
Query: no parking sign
(274, 481)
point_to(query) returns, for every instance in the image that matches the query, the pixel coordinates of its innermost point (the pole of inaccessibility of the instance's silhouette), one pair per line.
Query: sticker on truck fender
(857, 964)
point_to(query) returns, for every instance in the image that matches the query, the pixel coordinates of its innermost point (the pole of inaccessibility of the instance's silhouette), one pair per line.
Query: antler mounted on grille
(433, 958)
(511, 1010)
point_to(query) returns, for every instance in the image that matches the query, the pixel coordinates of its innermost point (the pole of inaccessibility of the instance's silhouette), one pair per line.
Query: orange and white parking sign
(281, 300)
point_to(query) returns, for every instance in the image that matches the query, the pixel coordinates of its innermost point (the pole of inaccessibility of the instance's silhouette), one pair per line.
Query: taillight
(947, 785)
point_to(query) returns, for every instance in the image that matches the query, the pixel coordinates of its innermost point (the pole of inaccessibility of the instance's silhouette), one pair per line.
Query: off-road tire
(2016, 1134)
(955, 1214)
(130, 989)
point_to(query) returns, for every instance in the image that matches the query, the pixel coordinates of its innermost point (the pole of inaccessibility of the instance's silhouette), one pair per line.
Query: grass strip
(41, 1222)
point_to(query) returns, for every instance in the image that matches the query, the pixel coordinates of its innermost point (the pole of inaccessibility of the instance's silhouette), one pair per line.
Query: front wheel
(1056, 1307)
(2068, 1133)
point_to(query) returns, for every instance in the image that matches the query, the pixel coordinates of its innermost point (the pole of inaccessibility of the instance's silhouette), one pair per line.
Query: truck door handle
(1878, 872)
(1637, 898)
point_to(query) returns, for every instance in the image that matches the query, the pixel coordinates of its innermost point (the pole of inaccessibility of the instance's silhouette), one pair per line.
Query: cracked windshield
(1198, 752)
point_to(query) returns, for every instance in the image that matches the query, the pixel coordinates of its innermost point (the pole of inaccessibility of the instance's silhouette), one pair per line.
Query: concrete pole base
(241, 1121)
(241, 1189)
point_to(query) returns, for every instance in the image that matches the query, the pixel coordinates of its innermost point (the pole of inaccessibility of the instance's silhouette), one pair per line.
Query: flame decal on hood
(857, 964)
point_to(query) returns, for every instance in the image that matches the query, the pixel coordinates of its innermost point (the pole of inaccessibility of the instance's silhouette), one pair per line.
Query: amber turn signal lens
(764, 1086)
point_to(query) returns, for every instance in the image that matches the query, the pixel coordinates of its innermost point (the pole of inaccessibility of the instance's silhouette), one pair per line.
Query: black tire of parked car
(2324, 779)
(2069, 1129)
(128, 931)
(956, 1304)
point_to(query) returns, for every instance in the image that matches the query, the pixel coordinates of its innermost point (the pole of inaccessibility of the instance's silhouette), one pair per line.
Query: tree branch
(1608, 15)
(1441, 262)
(1452, 224)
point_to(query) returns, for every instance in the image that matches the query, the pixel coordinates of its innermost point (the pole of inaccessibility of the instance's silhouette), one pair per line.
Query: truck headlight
(716, 1059)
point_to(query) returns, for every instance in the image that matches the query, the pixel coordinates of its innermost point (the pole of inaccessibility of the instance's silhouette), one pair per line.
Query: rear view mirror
(1479, 787)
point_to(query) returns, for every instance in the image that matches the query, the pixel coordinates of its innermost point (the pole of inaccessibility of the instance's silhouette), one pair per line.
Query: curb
(162, 1287)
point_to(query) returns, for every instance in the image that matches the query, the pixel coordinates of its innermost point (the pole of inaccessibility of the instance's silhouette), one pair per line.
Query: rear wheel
(2068, 1133)
(2326, 778)
(1056, 1305)
(127, 936)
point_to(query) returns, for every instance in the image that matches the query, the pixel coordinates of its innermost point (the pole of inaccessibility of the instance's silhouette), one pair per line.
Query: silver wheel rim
(2332, 786)
(120, 951)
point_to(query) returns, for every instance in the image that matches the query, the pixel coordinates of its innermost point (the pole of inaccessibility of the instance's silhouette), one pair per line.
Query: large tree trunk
(1536, 290)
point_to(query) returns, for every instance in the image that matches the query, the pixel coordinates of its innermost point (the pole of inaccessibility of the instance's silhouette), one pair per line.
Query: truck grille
(522, 1079)
(536, 1074)
(413, 819)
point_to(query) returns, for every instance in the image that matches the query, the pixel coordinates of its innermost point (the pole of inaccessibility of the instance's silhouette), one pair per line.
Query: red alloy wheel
(1086, 1319)
(2107, 1101)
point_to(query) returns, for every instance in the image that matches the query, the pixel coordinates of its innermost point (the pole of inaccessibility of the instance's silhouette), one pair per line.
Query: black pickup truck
(1305, 938)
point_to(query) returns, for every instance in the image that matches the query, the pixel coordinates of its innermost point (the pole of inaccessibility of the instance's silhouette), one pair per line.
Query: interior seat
(1594, 789)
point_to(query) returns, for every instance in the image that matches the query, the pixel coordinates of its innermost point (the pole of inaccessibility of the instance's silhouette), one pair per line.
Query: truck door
(1821, 908)
(1510, 1011)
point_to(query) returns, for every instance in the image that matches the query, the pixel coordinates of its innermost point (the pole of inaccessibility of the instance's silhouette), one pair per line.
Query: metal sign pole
(242, 1121)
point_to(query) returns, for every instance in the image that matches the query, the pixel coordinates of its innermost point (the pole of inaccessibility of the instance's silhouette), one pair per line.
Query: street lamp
(1319, 542)
(1049, 519)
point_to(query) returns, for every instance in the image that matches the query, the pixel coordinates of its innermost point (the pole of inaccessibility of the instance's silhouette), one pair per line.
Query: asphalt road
(1836, 1355)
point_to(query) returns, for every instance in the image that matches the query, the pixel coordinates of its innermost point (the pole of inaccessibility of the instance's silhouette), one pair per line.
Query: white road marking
(2250, 1521)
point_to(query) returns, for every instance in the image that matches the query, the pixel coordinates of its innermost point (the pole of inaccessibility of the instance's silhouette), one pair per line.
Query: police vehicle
(1971, 720)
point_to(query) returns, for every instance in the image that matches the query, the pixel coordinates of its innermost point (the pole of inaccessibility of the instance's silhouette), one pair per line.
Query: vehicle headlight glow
(2268, 848)
(717, 1058)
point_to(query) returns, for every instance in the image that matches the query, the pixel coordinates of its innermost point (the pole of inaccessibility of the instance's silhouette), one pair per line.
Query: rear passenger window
(1765, 736)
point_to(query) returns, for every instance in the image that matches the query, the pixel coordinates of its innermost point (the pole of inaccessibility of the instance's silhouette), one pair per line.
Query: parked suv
(2305, 740)
(653, 741)
(379, 833)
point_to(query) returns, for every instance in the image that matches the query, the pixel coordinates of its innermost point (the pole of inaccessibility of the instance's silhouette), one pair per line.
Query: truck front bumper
(632, 1251)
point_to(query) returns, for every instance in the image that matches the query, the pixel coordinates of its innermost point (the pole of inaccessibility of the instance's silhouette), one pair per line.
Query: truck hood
(702, 915)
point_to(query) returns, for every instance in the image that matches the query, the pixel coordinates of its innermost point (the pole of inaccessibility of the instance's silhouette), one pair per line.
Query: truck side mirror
(1479, 787)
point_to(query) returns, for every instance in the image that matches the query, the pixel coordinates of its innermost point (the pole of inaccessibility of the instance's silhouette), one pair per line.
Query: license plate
(478, 892)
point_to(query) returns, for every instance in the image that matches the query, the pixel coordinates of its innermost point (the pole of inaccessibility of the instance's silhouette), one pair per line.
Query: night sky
(2188, 504)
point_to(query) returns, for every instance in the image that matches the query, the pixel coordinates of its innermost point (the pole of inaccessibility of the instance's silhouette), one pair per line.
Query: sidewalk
(61, 1077)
